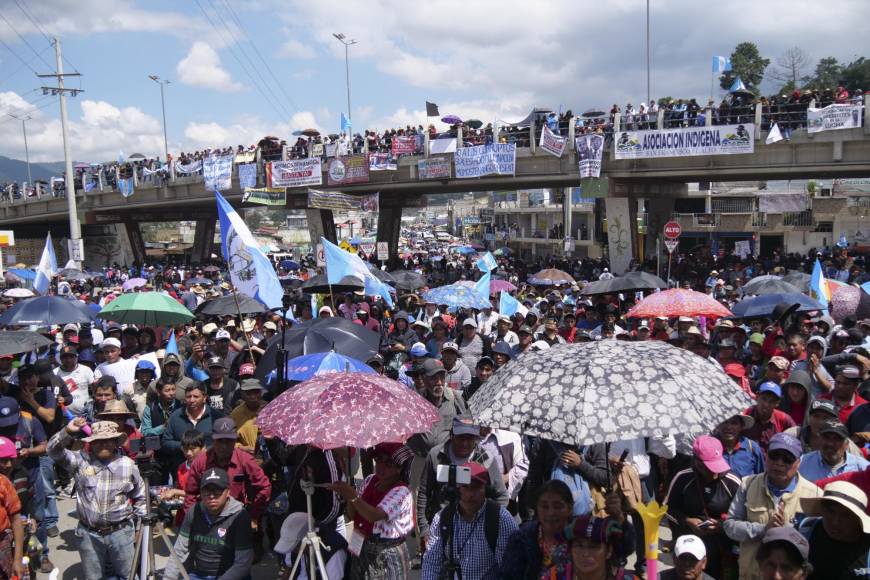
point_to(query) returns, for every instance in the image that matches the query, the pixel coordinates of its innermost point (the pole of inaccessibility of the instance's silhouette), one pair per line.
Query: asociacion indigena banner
(686, 142)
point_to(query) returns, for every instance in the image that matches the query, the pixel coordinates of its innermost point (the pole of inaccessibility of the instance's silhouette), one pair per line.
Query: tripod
(143, 554)
(311, 542)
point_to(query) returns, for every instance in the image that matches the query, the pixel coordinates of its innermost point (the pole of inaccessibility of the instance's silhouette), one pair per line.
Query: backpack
(491, 517)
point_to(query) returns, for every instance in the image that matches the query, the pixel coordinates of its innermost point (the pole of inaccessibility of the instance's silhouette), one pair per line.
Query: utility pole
(26, 150)
(76, 249)
(343, 39)
(648, 92)
(162, 82)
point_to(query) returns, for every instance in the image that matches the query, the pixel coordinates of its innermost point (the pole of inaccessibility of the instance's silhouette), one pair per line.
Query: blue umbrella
(46, 311)
(457, 296)
(289, 265)
(22, 273)
(466, 250)
(763, 306)
(307, 366)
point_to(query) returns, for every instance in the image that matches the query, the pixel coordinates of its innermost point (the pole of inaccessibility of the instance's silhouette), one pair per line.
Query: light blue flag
(487, 263)
(251, 272)
(482, 286)
(737, 85)
(508, 305)
(345, 125)
(721, 64)
(121, 157)
(340, 263)
(844, 242)
(819, 286)
(171, 344)
(313, 306)
(46, 269)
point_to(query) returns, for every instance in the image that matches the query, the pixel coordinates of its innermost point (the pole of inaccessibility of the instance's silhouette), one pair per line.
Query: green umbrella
(145, 308)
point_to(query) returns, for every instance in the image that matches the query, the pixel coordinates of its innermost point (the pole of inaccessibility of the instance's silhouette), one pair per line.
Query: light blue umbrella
(456, 296)
(22, 273)
(307, 366)
(464, 250)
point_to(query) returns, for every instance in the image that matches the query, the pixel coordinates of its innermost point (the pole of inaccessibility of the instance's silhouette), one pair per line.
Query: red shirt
(248, 483)
(845, 410)
(762, 431)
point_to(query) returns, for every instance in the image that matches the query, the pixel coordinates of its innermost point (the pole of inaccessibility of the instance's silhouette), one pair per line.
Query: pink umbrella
(134, 283)
(347, 410)
(678, 302)
(844, 301)
(496, 286)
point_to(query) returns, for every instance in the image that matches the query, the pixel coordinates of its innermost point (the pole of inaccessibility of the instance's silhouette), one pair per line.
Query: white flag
(774, 135)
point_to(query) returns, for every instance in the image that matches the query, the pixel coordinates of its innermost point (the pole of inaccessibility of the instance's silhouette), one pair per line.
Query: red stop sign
(673, 230)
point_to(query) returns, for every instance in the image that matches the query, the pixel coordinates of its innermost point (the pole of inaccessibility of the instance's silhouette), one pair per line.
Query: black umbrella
(211, 269)
(593, 113)
(799, 279)
(72, 274)
(18, 341)
(192, 281)
(381, 274)
(47, 311)
(321, 335)
(630, 281)
(474, 123)
(407, 280)
(768, 285)
(606, 391)
(226, 306)
(319, 285)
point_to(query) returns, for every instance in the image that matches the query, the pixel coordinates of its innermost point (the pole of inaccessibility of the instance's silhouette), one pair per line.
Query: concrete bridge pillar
(321, 223)
(137, 244)
(389, 228)
(203, 239)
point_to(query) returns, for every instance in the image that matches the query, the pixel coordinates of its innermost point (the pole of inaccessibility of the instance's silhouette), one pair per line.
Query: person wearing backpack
(468, 538)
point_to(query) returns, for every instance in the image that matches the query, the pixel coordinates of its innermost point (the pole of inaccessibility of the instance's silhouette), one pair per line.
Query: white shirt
(485, 323)
(665, 447)
(77, 381)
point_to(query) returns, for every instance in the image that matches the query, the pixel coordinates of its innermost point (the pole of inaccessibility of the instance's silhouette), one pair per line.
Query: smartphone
(453, 474)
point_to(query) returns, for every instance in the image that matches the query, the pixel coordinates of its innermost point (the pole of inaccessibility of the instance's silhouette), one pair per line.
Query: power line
(19, 57)
(42, 31)
(45, 105)
(24, 40)
(25, 64)
(278, 83)
(272, 104)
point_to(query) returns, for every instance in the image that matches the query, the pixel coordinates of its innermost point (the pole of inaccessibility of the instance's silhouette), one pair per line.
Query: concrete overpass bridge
(831, 154)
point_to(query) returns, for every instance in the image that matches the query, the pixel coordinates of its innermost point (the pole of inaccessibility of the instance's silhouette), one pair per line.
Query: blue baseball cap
(770, 387)
(145, 365)
(419, 349)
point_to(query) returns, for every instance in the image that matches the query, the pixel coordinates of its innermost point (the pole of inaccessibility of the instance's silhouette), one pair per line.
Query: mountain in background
(16, 170)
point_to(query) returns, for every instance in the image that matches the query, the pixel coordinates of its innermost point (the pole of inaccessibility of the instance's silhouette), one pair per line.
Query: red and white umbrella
(678, 302)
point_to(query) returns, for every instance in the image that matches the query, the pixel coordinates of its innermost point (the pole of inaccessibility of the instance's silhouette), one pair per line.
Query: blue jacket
(746, 459)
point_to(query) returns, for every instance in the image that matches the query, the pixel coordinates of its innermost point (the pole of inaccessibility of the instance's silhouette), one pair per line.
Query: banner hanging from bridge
(382, 162)
(834, 117)
(494, 159)
(552, 143)
(247, 175)
(192, 167)
(265, 196)
(434, 168)
(404, 145)
(590, 151)
(217, 172)
(337, 201)
(347, 169)
(294, 173)
(686, 142)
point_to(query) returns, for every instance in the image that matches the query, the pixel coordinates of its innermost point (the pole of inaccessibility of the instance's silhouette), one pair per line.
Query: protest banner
(347, 169)
(295, 172)
(404, 145)
(686, 142)
(434, 168)
(443, 145)
(192, 167)
(247, 175)
(338, 201)
(494, 159)
(590, 151)
(330, 149)
(245, 157)
(217, 171)
(317, 149)
(265, 196)
(833, 117)
(855, 186)
(382, 162)
(552, 143)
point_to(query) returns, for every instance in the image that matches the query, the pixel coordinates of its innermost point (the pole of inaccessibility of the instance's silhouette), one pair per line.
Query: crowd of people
(113, 416)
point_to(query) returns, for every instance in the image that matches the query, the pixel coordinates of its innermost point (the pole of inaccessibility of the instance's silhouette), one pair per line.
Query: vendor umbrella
(46, 311)
(768, 285)
(321, 335)
(407, 280)
(18, 341)
(133, 283)
(347, 410)
(551, 277)
(678, 302)
(146, 309)
(764, 306)
(456, 296)
(226, 306)
(607, 391)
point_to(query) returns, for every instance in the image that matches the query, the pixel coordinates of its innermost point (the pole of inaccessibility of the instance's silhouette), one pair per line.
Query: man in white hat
(840, 537)
(110, 495)
(690, 559)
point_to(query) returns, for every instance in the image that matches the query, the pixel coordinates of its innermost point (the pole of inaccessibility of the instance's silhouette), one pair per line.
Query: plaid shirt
(106, 493)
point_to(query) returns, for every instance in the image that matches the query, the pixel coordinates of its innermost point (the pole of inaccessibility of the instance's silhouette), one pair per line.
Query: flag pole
(242, 320)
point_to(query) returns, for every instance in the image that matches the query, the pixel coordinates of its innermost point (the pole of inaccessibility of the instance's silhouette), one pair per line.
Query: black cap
(525, 328)
(224, 428)
(432, 367)
(834, 426)
(69, 350)
(215, 477)
(485, 360)
(215, 361)
(9, 412)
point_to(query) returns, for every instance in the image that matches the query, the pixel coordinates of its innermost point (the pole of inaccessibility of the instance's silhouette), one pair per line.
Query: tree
(856, 75)
(746, 63)
(790, 69)
(827, 74)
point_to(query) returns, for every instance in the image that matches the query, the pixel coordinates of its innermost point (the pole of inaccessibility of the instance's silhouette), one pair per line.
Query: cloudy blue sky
(241, 70)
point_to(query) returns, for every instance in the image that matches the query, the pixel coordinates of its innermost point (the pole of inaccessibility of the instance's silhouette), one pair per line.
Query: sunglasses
(781, 457)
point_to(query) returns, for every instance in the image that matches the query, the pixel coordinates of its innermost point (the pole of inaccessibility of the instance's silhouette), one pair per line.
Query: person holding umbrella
(744, 456)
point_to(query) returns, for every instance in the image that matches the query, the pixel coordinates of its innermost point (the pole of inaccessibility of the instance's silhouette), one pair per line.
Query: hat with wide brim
(844, 493)
(105, 430)
(116, 408)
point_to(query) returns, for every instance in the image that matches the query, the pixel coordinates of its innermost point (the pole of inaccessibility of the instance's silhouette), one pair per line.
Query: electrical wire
(24, 40)
(42, 31)
(45, 105)
(25, 64)
(19, 57)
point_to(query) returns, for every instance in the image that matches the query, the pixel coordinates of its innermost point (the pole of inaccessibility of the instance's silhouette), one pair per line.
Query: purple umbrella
(134, 283)
(845, 302)
(451, 120)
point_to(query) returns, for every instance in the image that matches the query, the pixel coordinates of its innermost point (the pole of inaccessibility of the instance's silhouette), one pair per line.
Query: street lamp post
(346, 42)
(162, 83)
(26, 150)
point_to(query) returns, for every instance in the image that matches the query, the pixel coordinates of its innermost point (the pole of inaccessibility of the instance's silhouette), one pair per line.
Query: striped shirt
(106, 493)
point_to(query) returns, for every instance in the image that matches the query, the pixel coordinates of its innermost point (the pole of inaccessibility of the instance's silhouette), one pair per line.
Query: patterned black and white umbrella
(608, 391)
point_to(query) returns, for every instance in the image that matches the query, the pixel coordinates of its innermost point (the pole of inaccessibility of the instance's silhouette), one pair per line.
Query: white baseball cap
(109, 342)
(222, 335)
(690, 544)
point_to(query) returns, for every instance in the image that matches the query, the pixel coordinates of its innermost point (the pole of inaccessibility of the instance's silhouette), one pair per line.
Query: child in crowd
(192, 444)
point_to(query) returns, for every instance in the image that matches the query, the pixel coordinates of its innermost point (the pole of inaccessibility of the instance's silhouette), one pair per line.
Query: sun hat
(103, 430)
(847, 495)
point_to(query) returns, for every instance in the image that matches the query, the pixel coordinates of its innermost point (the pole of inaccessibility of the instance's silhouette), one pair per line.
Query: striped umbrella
(678, 302)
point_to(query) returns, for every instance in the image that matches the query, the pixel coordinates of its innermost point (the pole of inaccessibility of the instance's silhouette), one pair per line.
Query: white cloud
(297, 50)
(202, 68)
(247, 130)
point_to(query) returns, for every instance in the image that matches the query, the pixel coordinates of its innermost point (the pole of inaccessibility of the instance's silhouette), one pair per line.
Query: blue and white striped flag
(487, 263)
(721, 64)
(482, 286)
(345, 125)
(340, 263)
(508, 305)
(46, 269)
